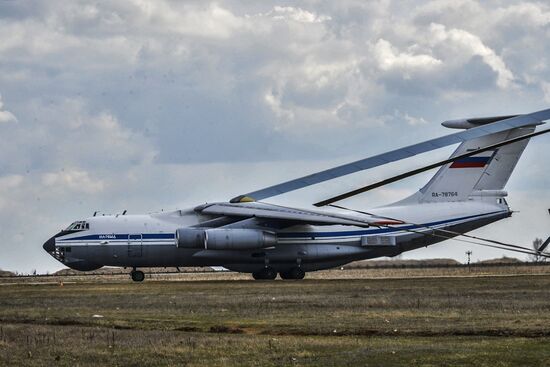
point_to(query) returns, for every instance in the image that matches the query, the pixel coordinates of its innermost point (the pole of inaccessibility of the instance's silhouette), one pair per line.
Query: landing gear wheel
(285, 274)
(270, 273)
(137, 275)
(265, 274)
(297, 273)
(294, 273)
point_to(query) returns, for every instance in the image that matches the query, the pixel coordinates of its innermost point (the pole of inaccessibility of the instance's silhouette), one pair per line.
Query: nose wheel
(137, 275)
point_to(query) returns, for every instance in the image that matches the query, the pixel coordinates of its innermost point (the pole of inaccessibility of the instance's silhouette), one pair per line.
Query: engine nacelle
(190, 238)
(224, 239)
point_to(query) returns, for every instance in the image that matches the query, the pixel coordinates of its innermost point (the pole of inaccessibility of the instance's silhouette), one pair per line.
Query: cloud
(73, 181)
(472, 45)
(6, 116)
(524, 14)
(296, 14)
(67, 134)
(411, 120)
(389, 58)
(274, 102)
(546, 90)
(212, 21)
(7, 185)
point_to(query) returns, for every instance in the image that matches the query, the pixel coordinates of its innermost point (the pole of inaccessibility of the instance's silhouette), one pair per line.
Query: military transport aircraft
(247, 234)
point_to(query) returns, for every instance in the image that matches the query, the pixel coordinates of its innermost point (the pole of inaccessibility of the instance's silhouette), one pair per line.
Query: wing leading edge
(534, 118)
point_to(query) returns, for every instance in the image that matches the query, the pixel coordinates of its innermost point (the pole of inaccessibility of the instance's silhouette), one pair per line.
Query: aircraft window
(78, 226)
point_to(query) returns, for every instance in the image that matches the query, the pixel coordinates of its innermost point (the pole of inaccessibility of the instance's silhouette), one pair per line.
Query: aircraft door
(135, 244)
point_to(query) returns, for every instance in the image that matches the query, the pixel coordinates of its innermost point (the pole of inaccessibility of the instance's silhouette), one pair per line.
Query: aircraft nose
(49, 245)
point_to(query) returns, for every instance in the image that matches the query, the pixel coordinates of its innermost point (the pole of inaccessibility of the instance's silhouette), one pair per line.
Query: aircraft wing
(534, 118)
(283, 214)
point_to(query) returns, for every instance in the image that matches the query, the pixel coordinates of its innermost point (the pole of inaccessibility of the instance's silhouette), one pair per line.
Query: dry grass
(459, 321)
(352, 271)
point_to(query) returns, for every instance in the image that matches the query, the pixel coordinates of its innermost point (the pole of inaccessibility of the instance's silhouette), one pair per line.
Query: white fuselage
(149, 240)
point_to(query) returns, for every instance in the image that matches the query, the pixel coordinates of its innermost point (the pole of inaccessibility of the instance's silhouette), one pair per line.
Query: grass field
(425, 321)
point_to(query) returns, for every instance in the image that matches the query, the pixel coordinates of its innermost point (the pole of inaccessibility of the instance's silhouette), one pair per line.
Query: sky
(155, 105)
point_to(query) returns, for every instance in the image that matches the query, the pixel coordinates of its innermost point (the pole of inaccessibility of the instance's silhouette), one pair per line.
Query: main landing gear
(267, 273)
(137, 275)
(294, 273)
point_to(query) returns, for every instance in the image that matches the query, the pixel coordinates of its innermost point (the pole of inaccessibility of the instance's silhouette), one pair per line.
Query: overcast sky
(150, 105)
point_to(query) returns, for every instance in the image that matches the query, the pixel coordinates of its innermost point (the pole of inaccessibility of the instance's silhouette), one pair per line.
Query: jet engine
(224, 238)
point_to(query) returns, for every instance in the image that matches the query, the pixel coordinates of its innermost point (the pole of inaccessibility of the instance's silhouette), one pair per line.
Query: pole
(469, 253)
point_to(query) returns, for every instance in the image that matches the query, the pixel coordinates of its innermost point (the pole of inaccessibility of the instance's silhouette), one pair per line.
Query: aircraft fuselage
(150, 240)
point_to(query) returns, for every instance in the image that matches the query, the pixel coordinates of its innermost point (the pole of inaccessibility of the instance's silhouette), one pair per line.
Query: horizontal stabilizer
(473, 122)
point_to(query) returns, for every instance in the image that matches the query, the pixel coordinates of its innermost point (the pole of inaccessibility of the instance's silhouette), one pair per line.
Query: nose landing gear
(137, 275)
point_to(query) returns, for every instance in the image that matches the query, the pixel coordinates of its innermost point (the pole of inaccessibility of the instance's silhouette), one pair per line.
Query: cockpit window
(78, 226)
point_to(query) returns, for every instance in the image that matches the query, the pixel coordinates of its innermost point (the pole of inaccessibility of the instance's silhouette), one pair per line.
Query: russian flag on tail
(476, 161)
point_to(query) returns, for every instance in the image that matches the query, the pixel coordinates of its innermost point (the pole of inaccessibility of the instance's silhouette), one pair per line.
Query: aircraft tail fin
(478, 176)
